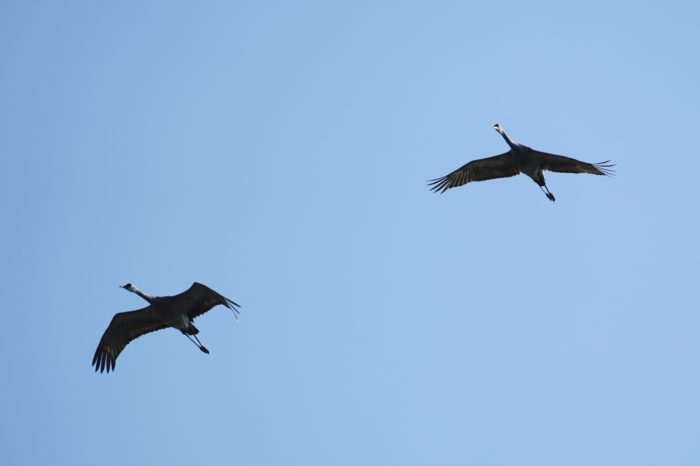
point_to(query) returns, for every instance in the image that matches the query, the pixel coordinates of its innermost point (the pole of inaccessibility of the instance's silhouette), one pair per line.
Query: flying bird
(177, 311)
(519, 159)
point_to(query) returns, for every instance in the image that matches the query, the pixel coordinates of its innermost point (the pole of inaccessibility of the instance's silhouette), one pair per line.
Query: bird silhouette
(519, 159)
(177, 311)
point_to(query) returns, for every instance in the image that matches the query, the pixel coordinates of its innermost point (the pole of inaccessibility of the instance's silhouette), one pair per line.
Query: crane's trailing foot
(200, 345)
(547, 192)
(197, 343)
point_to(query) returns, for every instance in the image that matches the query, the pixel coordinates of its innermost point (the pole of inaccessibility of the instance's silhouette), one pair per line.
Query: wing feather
(199, 299)
(498, 166)
(124, 328)
(562, 164)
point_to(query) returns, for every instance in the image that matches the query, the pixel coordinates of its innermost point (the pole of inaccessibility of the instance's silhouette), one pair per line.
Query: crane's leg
(547, 192)
(197, 343)
(201, 346)
(538, 178)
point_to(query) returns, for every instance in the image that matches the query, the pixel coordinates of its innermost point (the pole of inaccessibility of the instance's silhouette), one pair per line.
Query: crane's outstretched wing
(562, 164)
(498, 166)
(125, 327)
(199, 299)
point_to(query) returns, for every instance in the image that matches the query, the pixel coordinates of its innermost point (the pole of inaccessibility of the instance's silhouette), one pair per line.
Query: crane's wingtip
(438, 185)
(605, 168)
(234, 308)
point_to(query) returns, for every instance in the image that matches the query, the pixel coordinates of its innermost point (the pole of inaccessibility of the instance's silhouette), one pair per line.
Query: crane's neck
(509, 141)
(145, 296)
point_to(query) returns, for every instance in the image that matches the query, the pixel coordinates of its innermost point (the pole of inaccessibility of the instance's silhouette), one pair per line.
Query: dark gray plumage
(519, 159)
(177, 311)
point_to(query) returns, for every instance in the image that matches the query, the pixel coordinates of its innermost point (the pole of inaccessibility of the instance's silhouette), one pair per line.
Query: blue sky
(278, 152)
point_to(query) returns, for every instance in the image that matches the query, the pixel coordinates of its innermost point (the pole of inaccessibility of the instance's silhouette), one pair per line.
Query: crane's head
(128, 287)
(498, 128)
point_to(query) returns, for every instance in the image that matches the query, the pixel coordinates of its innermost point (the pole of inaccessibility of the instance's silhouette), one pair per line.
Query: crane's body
(165, 308)
(519, 159)
(177, 311)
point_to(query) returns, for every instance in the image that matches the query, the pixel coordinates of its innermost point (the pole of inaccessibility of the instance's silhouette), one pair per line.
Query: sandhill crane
(519, 159)
(177, 311)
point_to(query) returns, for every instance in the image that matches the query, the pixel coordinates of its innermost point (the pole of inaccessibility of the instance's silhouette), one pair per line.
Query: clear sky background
(278, 152)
